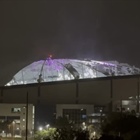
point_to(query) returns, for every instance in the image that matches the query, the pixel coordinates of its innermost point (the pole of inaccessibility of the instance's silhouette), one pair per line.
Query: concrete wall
(94, 92)
(100, 91)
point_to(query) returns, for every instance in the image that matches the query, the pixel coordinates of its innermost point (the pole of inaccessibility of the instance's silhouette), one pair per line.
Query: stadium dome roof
(67, 69)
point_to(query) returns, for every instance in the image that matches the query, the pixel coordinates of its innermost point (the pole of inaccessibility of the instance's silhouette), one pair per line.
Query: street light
(47, 126)
(13, 123)
(40, 128)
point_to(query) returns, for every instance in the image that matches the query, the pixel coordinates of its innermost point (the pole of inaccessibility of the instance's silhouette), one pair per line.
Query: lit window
(15, 110)
(84, 116)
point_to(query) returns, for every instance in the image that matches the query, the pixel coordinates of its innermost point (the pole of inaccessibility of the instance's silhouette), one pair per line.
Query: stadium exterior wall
(98, 91)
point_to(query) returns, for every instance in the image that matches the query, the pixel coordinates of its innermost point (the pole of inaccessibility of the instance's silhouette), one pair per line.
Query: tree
(136, 135)
(45, 134)
(124, 124)
(6, 126)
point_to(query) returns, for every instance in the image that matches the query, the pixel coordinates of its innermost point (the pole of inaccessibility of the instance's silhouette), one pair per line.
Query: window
(13, 118)
(84, 116)
(16, 110)
(75, 115)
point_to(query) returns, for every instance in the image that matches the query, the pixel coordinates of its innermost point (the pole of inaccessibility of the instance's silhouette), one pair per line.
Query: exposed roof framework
(67, 69)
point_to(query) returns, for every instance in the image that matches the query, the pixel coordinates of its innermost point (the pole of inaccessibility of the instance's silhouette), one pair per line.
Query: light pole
(13, 123)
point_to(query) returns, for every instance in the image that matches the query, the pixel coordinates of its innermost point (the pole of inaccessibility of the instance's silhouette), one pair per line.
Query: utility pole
(26, 116)
(111, 96)
(77, 92)
(138, 90)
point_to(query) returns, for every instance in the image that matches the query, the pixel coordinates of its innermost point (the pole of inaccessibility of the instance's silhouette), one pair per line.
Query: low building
(15, 116)
(76, 113)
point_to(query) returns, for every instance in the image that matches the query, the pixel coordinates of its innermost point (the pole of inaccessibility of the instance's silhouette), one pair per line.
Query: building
(81, 113)
(107, 85)
(74, 112)
(15, 115)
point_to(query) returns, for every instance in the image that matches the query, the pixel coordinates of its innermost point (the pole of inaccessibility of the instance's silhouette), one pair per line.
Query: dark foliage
(110, 137)
(70, 134)
(126, 124)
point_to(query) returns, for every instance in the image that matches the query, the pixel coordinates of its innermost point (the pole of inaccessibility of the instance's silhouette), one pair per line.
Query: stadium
(68, 69)
(93, 87)
(75, 81)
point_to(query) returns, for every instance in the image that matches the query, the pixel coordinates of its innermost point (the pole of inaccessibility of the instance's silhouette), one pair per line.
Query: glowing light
(47, 126)
(50, 55)
(40, 128)
(84, 126)
(101, 110)
(94, 133)
(84, 123)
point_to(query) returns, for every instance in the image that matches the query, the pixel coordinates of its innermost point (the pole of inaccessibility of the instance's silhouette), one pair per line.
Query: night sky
(101, 30)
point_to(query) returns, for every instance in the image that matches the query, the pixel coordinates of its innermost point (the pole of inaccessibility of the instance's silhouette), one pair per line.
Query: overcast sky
(101, 30)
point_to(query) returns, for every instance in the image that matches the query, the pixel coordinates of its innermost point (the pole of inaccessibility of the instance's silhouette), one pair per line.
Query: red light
(49, 56)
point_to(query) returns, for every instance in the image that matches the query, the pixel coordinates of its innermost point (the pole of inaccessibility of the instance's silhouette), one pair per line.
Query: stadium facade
(107, 86)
